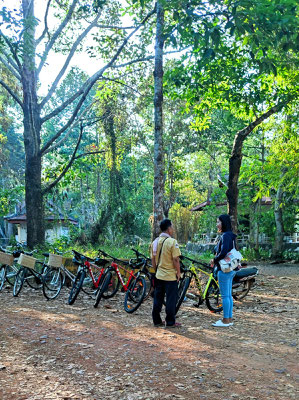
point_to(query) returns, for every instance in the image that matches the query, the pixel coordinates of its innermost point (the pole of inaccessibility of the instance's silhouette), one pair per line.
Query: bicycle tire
(149, 285)
(19, 281)
(240, 295)
(135, 294)
(11, 274)
(103, 287)
(52, 284)
(183, 287)
(77, 285)
(2, 276)
(113, 285)
(34, 280)
(213, 298)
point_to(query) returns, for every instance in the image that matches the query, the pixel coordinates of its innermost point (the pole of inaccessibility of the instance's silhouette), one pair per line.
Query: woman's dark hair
(165, 224)
(226, 222)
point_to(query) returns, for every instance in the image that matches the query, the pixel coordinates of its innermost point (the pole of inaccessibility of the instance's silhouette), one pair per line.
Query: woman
(225, 279)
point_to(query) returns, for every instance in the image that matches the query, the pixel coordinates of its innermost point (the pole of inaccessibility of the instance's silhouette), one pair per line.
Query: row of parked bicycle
(101, 277)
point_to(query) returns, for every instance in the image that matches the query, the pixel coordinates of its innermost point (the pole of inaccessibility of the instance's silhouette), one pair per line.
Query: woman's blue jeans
(225, 280)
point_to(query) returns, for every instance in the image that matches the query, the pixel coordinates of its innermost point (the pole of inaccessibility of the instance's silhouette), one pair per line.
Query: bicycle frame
(194, 271)
(67, 273)
(131, 276)
(88, 265)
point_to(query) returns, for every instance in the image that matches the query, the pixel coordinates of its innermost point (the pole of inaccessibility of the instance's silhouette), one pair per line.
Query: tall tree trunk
(235, 162)
(32, 128)
(279, 233)
(158, 192)
(232, 192)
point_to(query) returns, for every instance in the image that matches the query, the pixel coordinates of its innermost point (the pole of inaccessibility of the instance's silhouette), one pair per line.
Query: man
(165, 254)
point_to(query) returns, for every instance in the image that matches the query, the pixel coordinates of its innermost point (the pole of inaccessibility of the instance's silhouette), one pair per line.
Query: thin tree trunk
(158, 193)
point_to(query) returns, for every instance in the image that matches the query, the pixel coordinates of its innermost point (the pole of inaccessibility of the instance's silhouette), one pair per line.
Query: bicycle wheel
(135, 294)
(103, 287)
(2, 275)
(34, 280)
(242, 290)
(149, 285)
(213, 298)
(113, 285)
(11, 272)
(77, 285)
(19, 281)
(183, 287)
(53, 281)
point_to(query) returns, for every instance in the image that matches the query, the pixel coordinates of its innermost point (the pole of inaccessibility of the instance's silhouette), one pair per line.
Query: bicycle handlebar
(113, 258)
(82, 257)
(138, 254)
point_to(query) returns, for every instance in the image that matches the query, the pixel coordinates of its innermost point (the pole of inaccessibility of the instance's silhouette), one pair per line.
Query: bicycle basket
(6, 258)
(55, 260)
(27, 261)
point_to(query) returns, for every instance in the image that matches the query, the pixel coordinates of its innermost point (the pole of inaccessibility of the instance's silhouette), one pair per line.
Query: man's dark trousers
(170, 288)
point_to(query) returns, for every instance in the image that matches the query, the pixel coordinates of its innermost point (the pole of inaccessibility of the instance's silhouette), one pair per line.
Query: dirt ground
(50, 350)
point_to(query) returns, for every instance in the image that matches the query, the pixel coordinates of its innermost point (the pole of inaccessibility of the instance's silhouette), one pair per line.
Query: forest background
(187, 102)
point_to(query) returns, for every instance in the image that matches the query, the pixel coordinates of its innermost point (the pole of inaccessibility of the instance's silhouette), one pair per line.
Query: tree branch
(8, 65)
(85, 88)
(56, 35)
(13, 52)
(89, 153)
(46, 29)
(121, 83)
(54, 183)
(148, 58)
(10, 91)
(114, 27)
(48, 148)
(243, 133)
(69, 57)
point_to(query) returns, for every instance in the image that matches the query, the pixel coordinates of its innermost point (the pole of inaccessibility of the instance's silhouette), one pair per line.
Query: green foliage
(291, 255)
(184, 221)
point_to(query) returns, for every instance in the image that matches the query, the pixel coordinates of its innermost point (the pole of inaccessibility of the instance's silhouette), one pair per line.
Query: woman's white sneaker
(220, 323)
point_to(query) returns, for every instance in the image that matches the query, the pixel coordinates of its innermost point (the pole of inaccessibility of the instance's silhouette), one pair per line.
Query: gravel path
(50, 350)
(285, 269)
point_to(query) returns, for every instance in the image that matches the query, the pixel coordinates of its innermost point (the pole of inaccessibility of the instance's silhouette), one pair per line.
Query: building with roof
(57, 224)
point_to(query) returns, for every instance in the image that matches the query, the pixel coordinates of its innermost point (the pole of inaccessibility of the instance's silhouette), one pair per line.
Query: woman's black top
(225, 244)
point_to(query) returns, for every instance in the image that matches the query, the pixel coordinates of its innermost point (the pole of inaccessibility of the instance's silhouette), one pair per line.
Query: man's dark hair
(165, 224)
(226, 222)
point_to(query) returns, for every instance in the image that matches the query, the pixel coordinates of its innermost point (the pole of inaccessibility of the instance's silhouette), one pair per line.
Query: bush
(184, 221)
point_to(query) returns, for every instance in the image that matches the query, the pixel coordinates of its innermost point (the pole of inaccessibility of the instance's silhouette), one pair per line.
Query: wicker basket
(55, 260)
(27, 261)
(6, 259)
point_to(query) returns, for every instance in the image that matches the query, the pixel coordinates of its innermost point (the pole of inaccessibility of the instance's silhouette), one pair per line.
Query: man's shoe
(159, 325)
(175, 325)
(220, 323)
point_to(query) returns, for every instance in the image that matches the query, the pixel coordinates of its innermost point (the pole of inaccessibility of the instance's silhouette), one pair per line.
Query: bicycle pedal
(199, 303)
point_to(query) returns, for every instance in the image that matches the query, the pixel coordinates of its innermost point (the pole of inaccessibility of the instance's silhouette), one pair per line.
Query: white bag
(231, 261)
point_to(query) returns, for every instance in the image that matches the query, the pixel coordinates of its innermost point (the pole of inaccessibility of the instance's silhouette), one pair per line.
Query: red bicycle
(89, 276)
(135, 287)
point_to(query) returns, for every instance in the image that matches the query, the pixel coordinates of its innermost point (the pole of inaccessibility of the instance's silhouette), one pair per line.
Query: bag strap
(235, 244)
(160, 253)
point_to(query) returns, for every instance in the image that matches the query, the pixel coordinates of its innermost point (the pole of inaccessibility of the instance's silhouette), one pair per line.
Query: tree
(244, 59)
(24, 57)
(158, 192)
